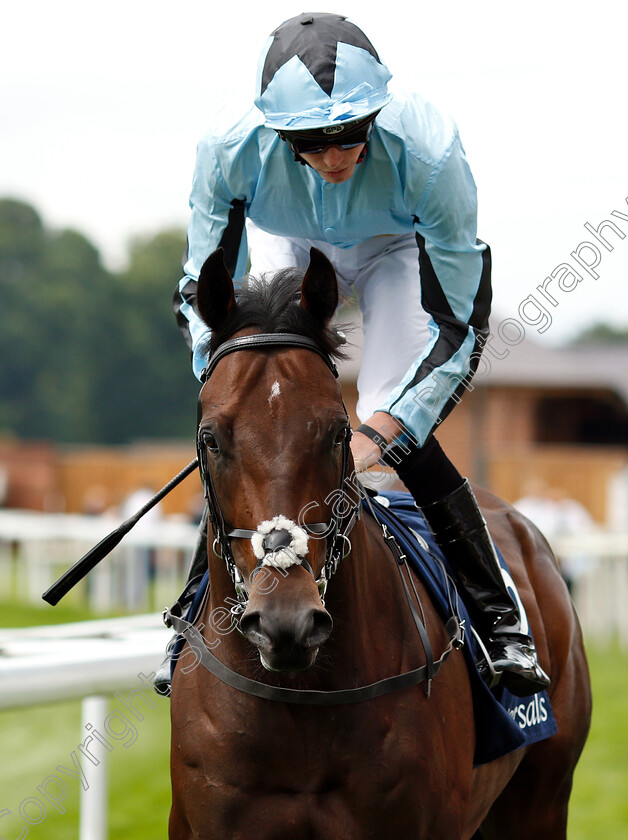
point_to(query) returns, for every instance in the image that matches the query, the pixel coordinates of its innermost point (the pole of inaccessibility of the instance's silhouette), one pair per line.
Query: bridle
(338, 545)
(336, 531)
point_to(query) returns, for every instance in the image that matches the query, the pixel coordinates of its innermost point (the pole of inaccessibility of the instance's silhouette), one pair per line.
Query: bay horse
(256, 752)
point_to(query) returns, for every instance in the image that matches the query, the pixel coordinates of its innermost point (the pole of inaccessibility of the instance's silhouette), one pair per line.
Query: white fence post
(621, 598)
(93, 803)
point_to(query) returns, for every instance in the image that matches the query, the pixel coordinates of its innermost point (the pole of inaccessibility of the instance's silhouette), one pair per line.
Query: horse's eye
(210, 441)
(340, 437)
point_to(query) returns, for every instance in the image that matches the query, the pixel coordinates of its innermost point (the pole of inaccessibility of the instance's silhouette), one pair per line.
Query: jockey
(380, 183)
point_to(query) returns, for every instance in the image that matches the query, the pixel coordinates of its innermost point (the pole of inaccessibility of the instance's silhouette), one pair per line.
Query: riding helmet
(319, 71)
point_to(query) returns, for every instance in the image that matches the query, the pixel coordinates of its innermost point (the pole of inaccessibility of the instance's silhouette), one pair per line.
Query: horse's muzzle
(287, 641)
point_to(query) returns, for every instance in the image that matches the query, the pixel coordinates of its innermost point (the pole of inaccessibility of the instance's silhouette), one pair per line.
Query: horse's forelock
(272, 305)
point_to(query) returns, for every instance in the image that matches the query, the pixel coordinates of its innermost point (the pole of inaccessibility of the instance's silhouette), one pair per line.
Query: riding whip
(77, 572)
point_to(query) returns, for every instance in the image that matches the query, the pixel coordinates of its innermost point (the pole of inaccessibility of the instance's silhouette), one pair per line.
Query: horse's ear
(319, 289)
(215, 296)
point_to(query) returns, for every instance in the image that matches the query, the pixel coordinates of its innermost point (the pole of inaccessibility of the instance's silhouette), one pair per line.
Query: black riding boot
(198, 567)
(460, 530)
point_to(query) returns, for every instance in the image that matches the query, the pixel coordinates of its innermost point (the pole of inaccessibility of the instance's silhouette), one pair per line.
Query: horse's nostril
(251, 626)
(316, 629)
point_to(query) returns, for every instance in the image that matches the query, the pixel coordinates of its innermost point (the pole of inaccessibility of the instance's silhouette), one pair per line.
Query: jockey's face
(333, 163)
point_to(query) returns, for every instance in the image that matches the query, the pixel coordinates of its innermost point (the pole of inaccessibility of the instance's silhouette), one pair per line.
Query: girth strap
(305, 696)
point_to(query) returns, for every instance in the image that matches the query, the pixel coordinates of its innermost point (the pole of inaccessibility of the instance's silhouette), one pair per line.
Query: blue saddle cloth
(503, 722)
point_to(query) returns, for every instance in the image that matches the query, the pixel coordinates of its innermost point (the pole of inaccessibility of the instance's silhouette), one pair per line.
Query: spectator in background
(557, 515)
(141, 570)
(4, 484)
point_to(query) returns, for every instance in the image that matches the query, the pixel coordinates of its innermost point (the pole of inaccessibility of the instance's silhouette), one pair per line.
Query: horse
(289, 734)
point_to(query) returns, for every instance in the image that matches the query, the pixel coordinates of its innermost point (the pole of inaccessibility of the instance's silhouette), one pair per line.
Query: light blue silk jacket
(414, 178)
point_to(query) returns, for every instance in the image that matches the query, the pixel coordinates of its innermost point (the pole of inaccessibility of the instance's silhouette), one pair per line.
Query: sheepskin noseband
(279, 542)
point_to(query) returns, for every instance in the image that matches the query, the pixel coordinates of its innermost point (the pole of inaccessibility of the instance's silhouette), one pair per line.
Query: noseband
(336, 531)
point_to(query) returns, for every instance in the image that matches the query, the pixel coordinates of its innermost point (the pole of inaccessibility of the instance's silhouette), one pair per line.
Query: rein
(339, 546)
(311, 697)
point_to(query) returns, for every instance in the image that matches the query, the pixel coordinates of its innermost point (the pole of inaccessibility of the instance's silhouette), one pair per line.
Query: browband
(249, 342)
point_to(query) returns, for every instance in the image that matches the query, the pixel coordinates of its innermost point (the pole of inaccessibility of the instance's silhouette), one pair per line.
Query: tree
(86, 355)
(151, 376)
(601, 334)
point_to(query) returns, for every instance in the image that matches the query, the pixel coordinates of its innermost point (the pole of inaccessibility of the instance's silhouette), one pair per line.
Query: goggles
(313, 143)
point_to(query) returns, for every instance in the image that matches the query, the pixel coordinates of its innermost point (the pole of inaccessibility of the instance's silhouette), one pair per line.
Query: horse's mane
(272, 305)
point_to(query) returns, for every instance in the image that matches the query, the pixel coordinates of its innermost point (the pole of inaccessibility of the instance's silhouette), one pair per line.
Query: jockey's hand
(365, 451)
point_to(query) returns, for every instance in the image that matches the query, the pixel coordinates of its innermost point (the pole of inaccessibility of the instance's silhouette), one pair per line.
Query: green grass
(14, 614)
(35, 741)
(599, 802)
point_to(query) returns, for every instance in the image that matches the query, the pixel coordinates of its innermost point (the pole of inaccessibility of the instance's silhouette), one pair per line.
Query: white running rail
(87, 661)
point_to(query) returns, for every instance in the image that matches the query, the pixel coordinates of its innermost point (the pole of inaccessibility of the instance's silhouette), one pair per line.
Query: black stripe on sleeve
(187, 295)
(452, 332)
(433, 297)
(458, 392)
(230, 243)
(232, 236)
(484, 294)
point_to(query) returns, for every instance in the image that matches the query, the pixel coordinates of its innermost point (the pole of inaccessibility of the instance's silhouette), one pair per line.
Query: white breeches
(383, 272)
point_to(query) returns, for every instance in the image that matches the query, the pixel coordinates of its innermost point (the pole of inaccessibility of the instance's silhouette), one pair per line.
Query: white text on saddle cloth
(284, 555)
